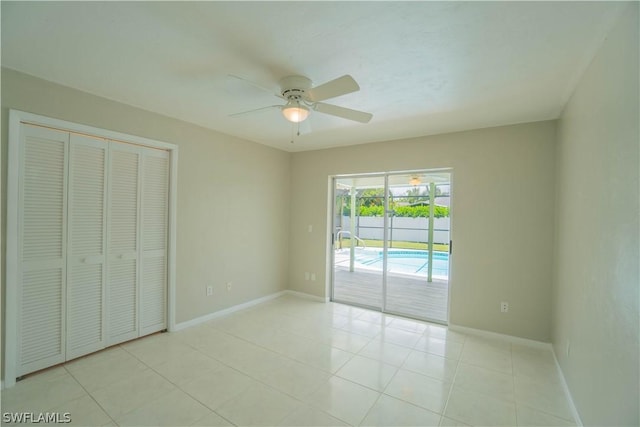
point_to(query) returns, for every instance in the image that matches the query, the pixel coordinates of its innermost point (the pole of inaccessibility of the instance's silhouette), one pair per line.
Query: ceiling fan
(301, 98)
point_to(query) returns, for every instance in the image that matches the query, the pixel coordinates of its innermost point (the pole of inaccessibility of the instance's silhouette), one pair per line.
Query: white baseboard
(567, 392)
(307, 296)
(502, 337)
(226, 311)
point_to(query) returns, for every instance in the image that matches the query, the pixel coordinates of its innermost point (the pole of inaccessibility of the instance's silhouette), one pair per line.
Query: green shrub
(421, 211)
(401, 211)
(372, 210)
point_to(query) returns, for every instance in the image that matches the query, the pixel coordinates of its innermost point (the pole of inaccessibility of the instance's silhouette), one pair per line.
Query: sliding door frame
(385, 243)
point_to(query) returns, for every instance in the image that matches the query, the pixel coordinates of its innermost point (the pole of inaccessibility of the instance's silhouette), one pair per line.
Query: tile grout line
(282, 354)
(149, 367)
(453, 381)
(251, 376)
(334, 374)
(372, 406)
(90, 394)
(176, 385)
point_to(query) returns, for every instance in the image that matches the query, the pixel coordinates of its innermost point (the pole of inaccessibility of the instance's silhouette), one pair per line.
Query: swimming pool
(402, 261)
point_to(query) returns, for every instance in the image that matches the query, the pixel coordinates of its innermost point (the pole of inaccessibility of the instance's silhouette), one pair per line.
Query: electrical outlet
(229, 286)
(313, 277)
(209, 290)
(504, 307)
(306, 275)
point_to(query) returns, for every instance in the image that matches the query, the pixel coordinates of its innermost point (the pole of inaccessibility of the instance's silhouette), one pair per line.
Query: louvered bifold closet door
(153, 265)
(122, 245)
(42, 230)
(86, 245)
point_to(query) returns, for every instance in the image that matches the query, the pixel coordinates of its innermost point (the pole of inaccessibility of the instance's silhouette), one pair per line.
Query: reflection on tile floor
(295, 362)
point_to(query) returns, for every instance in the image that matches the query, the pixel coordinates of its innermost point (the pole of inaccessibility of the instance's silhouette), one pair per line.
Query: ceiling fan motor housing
(294, 87)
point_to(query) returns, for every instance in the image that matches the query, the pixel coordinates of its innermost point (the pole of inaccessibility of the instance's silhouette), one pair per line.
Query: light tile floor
(296, 362)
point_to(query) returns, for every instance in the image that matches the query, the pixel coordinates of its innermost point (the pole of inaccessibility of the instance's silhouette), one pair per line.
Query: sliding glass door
(391, 242)
(358, 240)
(418, 246)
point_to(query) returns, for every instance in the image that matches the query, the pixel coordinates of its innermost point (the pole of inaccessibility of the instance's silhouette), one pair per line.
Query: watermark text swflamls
(36, 417)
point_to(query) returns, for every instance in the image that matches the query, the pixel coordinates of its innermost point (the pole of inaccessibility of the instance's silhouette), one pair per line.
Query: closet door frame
(16, 119)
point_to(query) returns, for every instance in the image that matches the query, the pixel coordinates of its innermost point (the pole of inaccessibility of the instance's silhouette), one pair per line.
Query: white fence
(402, 228)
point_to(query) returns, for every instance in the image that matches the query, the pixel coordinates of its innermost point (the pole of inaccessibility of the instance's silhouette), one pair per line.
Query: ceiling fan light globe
(296, 113)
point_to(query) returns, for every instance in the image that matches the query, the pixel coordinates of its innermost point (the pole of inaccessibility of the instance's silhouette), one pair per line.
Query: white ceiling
(423, 67)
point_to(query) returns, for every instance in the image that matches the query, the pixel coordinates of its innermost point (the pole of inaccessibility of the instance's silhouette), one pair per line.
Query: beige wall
(509, 183)
(233, 195)
(502, 218)
(596, 281)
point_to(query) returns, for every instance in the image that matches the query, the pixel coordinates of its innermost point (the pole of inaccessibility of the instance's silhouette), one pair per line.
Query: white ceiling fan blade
(254, 84)
(242, 113)
(345, 113)
(337, 87)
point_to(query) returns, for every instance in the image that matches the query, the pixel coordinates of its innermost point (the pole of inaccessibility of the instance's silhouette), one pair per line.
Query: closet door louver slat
(41, 316)
(155, 191)
(87, 246)
(122, 277)
(42, 248)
